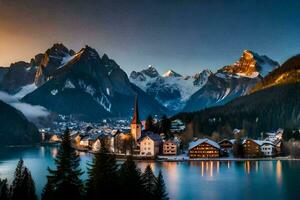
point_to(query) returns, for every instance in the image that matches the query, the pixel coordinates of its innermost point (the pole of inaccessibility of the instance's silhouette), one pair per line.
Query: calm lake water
(184, 180)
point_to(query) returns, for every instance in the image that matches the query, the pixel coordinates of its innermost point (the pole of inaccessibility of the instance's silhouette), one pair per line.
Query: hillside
(15, 129)
(264, 110)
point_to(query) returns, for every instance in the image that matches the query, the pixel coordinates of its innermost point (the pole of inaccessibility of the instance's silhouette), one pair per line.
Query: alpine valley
(89, 86)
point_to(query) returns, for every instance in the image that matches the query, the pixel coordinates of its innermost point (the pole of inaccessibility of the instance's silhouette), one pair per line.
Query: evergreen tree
(28, 186)
(23, 185)
(130, 180)
(65, 179)
(165, 126)
(103, 176)
(149, 124)
(16, 187)
(149, 181)
(3, 190)
(160, 188)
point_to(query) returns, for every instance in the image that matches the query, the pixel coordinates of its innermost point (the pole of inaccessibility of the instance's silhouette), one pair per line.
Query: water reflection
(251, 167)
(207, 168)
(279, 172)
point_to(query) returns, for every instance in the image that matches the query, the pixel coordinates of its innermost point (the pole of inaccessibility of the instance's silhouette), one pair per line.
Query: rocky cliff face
(53, 58)
(91, 88)
(18, 75)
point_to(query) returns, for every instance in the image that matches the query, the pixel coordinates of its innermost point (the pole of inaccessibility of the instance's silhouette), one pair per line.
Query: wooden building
(204, 148)
(226, 145)
(251, 148)
(171, 147)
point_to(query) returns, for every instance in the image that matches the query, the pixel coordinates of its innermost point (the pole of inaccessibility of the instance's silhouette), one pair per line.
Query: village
(123, 140)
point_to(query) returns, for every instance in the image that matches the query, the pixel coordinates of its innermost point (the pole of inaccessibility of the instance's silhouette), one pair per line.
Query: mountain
(18, 75)
(52, 59)
(3, 71)
(289, 72)
(251, 65)
(271, 106)
(15, 129)
(231, 81)
(91, 87)
(171, 89)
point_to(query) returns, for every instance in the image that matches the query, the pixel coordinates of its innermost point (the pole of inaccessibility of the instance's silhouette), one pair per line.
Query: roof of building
(227, 140)
(151, 135)
(205, 140)
(136, 119)
(259, 142)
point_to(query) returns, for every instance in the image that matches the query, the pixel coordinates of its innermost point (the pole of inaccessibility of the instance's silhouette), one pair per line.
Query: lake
(184, 180)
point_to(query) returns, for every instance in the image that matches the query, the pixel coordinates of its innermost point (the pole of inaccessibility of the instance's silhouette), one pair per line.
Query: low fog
(30, 111)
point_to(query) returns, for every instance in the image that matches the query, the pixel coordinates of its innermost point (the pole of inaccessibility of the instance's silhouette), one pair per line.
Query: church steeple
(136, 119)
(136, 126)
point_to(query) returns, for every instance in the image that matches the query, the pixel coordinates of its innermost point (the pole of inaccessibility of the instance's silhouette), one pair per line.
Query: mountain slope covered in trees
(15, 129)
(273, 104)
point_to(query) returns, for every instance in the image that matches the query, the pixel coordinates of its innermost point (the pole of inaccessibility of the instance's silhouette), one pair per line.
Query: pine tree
(160, 188)
(149, 124)
(149, 181)
(65, 179)
(165, 126)
(28, 186)
(3, 190)
(23, 185)
(130, 180)
(16, 187)
(103, 176)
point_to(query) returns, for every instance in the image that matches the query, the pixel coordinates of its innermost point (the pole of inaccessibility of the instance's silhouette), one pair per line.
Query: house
(122, 143)
(268, 149)
(84, 142)
(177, 126)
(204, 148)
(55, 138)
(150, 144)
(226, 145)
(171, 146)
(252, 148)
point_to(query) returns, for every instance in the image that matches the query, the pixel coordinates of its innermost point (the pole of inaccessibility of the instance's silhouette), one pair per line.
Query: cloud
(30, 111)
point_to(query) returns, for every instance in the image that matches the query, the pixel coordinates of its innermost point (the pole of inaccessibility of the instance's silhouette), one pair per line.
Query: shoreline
(162, 158)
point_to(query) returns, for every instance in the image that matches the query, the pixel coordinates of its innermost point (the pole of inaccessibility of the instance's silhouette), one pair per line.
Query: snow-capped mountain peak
(250, 65)
(171, 73)
(171, 89)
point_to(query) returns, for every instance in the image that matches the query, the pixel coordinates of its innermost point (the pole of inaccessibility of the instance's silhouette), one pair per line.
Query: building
(226, 145)
(150, 144)
(204, 148)
(171, 147)
(136, 126)
(252, 148)
(268, 149)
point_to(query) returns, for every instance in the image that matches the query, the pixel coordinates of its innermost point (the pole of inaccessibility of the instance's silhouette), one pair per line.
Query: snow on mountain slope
(171, 89)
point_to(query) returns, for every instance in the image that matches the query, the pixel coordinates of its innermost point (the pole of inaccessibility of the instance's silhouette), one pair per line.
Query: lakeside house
(258, 148)
(150, 144)
(204, 148)
(226, 145)
(171, 147)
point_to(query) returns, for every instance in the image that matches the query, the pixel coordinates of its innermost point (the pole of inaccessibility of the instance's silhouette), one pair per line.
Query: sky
(186, 36)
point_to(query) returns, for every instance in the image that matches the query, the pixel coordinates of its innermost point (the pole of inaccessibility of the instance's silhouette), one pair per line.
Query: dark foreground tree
(22, 186)
(160, 188)
(130, 180)
(103, 176)
(149, 182)
(3, 190)
(64, 181)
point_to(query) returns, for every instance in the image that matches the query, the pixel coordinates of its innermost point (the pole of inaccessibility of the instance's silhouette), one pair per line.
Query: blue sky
(186, 36)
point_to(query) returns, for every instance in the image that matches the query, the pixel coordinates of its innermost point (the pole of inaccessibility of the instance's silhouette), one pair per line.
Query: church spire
(136, 119)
